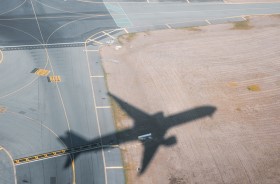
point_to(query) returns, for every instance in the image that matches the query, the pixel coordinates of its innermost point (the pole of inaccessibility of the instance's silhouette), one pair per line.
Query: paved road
(35, 114)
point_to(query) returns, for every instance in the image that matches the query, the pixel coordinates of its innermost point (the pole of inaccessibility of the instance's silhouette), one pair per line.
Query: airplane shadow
(150, 128)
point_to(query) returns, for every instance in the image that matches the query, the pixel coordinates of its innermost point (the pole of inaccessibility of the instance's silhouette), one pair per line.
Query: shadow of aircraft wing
(150, 149)
(133, 112)
(189, 115)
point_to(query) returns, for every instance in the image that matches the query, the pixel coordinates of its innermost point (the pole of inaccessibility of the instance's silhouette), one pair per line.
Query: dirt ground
(234, 67)
(251, 1)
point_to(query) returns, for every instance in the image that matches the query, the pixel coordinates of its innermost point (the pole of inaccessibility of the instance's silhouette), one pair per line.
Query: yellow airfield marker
(55, 78)
(42, 72)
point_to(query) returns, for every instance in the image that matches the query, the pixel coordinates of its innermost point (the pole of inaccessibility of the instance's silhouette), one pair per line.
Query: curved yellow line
(35, 121)
(12, 160)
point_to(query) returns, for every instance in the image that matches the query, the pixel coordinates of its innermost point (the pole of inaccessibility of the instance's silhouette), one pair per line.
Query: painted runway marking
(90, 50)
(114, 167)
(125, 30)
(169, 27)
(60, 96)
(125, 15)
(46, 45)
(54, 78)
(103, 107)
(108, 35)
(11, 159)
(58, 17)
(1, 56)
(57, 153)
(42, 72)
(37, 21)
(3, 109)
(97, 42)
(208, 22)
(96, 76)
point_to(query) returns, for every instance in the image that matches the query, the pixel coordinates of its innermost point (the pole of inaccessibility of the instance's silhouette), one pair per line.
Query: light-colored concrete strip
(103, 107)
(114, 167)
(96, 76)
(1, 56)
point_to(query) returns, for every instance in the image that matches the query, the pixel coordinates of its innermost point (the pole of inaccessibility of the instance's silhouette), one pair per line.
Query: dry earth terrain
(234, 67)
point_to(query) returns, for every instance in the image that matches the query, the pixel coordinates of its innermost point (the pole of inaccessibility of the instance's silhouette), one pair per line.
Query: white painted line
(125, 14)
(108, 35)
(96, 42)
(208, 22)
(64, 109)
(37, 21)
(67, 154)
(49, 44)
(57, 17)
(148, 1)
(169, 27)
(125, 30)
(188, 1)
(1, 148)
(90, 50)
(103, 107)
(114, 167)
(14, 167)
(97, 76)
(111, 146)
(1, 56)
(97, 117)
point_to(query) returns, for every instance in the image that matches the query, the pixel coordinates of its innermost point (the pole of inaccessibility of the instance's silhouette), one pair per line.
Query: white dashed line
(103, 107)
(96, 76)
(125, 30)
(208, 22)
(169, 27)
(114, 167)
(1, 56)
(90, 50)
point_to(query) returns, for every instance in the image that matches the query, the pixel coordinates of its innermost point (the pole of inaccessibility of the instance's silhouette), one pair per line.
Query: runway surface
(64, 37)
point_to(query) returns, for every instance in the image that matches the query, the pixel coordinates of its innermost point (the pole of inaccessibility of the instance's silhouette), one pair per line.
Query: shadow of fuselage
(155, 126)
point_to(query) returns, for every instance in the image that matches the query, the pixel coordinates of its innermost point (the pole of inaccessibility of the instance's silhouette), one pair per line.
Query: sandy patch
(231, 68)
